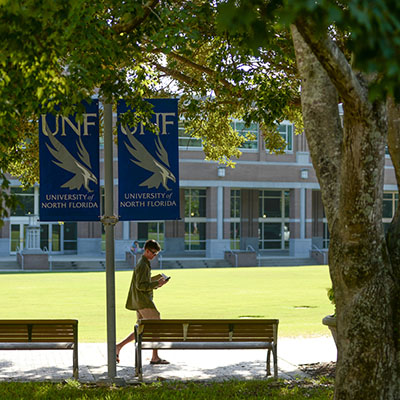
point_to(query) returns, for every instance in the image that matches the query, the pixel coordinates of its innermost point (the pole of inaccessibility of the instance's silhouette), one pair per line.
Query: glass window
(389, 204)
(186, 141)
(390, 200)
(195, 235)
(270, 204)
(16, 238)
(270, 236)
(70, 236)
(151, 230)
(195, 219)
(285, 129)
(235, 203)
(44, 237)
(26, 201)
(274, 227)
(251, 131)
(195, 203)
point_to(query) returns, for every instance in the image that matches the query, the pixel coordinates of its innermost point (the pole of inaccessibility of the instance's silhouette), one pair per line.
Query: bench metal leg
(75, 363)
(268, 369)
(138, 361)
(139, 366)
(275, 355)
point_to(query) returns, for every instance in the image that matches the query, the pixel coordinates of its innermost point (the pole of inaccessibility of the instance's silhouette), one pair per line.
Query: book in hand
(159, 276)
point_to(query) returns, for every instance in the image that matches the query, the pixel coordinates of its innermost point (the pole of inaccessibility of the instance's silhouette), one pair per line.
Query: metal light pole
(109, 220)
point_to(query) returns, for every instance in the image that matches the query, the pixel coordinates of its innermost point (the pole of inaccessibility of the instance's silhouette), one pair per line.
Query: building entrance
(55, 237)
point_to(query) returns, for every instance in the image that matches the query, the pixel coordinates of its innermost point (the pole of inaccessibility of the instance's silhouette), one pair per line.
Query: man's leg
(123, 342)
(127, 340)
(152, 313)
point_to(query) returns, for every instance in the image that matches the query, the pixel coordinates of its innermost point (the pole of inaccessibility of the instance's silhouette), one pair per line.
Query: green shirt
(141, 290)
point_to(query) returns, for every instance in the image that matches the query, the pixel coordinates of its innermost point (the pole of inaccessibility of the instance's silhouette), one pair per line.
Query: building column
(249, 219)
(174, 231)
(302, 213)
(216, 246)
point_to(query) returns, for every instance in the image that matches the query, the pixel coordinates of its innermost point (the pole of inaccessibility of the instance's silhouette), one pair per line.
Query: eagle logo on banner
(159, 167)
(81, 169)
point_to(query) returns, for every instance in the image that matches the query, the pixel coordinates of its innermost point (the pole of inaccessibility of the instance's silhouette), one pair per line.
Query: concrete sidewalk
(196, 365)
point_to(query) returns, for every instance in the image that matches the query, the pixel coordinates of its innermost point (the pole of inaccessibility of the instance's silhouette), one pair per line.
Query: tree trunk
(352, 192)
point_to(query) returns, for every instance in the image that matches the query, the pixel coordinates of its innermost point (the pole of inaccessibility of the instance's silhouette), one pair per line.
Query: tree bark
(350, 167)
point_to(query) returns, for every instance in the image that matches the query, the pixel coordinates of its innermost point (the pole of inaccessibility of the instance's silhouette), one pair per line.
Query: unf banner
(69, 166)
(148, 165)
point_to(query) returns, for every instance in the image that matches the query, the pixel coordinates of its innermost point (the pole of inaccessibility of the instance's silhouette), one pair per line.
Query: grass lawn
(238, 390)
(294, 295)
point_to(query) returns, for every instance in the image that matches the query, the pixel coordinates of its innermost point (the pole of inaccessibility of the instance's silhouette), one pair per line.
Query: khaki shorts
(148, 313)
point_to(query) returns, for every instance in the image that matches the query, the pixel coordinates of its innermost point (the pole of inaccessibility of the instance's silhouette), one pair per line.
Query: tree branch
(201, 68)
(321, 122)
(136, 21)
(335, 64)
(177, 75)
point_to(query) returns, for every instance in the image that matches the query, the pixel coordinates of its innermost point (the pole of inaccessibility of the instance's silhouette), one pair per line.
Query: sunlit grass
(294, 295)
(239, 390)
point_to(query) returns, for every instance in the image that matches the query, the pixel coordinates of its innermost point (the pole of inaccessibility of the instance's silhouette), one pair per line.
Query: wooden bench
(41, 334)
(171, 334)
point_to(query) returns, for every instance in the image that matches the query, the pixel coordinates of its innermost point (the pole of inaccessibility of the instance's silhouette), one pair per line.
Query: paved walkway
(198, 365)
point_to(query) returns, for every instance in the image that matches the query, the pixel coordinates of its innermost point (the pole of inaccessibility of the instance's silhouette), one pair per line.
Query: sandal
(159, 361)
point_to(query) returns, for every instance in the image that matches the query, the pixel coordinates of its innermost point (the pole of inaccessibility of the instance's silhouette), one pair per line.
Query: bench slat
(210, 330)
(206, 345)
(36, 346)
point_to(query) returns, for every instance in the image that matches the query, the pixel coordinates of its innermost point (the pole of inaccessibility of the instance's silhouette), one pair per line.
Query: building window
(17, 237)
(195, 219)
(285, 129)
(235, 219)
(390, 200)
(274, 228)
(26, 201)
(185, 140)
(251, 131)
(70, 237)
(151, 230)
(55, 237)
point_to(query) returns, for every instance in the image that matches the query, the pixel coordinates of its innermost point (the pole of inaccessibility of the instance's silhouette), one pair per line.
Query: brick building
(268, 203)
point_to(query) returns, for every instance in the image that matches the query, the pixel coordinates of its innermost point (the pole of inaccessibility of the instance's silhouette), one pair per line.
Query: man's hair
(151, 244)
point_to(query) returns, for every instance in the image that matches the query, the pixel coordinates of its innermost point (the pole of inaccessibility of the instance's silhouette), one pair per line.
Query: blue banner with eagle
(69, 166)
(148, 165)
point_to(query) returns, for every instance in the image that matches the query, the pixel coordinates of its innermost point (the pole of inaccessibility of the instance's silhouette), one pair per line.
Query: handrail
(323, 253)
(19, 251)
(250, 247)
(236, 257)
(50, 258)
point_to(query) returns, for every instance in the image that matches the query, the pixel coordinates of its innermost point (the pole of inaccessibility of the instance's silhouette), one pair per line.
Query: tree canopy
(246, 59)
(60, 52)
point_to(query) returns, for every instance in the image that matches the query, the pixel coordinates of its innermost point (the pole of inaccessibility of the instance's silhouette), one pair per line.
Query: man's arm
(143, 279)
